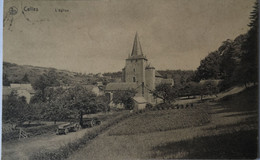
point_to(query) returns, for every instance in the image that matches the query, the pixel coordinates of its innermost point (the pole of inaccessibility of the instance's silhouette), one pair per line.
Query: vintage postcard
(130, 79)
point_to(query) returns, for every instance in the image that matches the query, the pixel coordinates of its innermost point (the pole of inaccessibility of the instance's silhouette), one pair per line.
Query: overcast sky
(97, 35)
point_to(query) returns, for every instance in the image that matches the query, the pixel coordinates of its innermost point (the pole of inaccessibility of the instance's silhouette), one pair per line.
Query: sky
(94, 36)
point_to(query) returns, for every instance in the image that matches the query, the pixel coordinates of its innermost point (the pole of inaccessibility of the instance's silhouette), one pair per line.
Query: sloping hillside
(15, 74)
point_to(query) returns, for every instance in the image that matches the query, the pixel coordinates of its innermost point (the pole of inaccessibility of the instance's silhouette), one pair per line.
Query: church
(140, 75)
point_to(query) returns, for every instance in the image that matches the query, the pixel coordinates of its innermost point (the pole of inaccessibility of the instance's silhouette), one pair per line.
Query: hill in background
(14, 73)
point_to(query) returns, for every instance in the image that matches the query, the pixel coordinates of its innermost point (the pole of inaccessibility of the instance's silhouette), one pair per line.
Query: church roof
(137, 52)
(137, 49)
(120, 86)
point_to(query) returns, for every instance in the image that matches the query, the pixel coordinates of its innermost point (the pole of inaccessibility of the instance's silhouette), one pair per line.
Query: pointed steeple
(137, 49)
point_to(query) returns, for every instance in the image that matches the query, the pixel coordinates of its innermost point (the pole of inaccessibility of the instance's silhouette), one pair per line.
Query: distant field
(154, 121)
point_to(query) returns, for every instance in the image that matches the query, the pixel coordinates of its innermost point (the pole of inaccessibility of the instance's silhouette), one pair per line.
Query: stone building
(140, 75)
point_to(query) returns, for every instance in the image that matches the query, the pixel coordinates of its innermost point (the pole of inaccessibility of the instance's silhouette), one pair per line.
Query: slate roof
(139, 99)
(214, 81)
(157, 74)
(137, 49)
(167, 81)
(120, 86)
(137, 52)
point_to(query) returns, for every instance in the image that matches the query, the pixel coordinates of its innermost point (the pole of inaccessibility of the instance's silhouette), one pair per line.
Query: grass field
(163, 120)
(238, 145)
(220, 129)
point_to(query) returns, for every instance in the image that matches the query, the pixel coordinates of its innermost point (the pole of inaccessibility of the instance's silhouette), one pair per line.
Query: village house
(140, 75)
(22, 90)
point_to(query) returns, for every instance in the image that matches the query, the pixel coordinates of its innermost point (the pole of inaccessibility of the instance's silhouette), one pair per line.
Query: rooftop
(120, 86)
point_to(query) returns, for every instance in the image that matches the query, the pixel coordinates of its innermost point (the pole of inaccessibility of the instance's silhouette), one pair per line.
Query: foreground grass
(222, 141)
(242, 145)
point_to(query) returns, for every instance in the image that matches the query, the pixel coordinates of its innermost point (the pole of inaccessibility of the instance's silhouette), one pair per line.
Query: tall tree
(25, 79)
(166, 93)
(125, 98)
(249, 60)
(44, 81)
(15, 109)
(209, 66)
(6, 81)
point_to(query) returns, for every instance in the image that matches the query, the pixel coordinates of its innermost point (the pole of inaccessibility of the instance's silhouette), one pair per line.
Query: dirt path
(24, 148)
(232, 91)
(141, 146)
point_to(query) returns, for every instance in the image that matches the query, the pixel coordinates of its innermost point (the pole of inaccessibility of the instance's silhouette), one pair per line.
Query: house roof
(120, 86)
(157, 74)
(149, 66)
(88, 87)
(21, 86)
(167, 81)
(214, 81)
(139, 99)
(28, 87)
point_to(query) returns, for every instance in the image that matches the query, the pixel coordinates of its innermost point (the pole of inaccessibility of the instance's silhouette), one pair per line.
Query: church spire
(137, 49)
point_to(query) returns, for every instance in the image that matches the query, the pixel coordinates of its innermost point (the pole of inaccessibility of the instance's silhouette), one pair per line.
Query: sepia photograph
(130, 79)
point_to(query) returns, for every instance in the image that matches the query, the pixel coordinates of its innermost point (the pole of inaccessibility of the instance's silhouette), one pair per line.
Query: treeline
(235, 61)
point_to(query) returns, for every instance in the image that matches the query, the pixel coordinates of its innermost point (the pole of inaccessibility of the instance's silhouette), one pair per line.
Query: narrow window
(133, 79)
(134, 69)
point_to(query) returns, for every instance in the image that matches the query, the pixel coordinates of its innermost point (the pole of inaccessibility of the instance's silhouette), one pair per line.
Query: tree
(15, 109)
(209, 88)
(25, 79)
(166, 93)
(6, 81)
(124, 97)
(190, 89)
(209, 67)
(44, 81)
(249, 59)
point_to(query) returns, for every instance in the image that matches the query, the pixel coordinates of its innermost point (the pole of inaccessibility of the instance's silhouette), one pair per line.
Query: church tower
(134, 70)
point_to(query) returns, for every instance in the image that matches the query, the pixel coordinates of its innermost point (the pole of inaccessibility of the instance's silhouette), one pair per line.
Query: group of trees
(63, 103)
(169, 93)
(235, 61)
(15, 109)
(52, 102)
